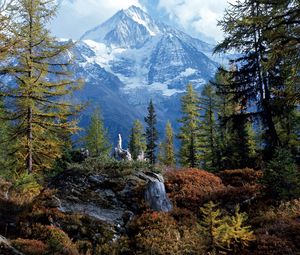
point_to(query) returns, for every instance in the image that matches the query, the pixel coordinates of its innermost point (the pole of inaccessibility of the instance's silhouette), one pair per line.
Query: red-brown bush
(238, 195)
(30, 247)
(56, 239)
(184, 217)
(240, 177)
(278, 229)
(272, 245)
(190, 188)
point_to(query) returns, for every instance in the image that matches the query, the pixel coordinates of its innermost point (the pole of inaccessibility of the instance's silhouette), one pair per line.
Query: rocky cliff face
(111, 200)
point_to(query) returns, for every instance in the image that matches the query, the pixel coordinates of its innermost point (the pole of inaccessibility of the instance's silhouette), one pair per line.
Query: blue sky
(196, 17)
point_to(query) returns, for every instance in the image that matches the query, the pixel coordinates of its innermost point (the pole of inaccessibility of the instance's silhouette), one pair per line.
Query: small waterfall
(156, 196)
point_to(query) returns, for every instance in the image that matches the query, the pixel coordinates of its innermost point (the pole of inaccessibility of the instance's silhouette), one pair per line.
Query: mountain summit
(131, 58)
(127, 28)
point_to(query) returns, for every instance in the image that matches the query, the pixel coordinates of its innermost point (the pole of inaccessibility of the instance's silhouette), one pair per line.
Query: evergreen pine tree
(137, 143)
(167, 154)
(151, 134)
(190, 130)
(281, 176)
(36, 103)
(251, 81)
(237, 143)
(209, 129)
(96, 139)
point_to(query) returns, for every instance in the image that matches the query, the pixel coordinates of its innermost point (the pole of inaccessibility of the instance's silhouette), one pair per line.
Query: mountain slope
(131, 58)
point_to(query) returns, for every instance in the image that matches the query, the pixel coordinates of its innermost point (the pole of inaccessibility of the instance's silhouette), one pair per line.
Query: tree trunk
(29, 142)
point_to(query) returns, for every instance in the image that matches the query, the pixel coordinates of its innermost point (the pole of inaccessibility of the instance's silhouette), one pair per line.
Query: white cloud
(198, 15)
(77, 16)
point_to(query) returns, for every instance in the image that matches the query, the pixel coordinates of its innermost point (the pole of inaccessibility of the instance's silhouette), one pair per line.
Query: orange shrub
(190, 188)
(30, 247)
(57, 240)
(238, 195)
(184, 216)
(159, 233)
(240, 177)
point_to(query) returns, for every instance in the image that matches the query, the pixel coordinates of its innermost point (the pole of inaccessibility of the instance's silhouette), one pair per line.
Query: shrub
(278, 229)
(30, 247)
(189, 188)
(58, 241)
(244, 195)
(159, 233)
(272, 245)
(184, 217)
(240, 177)
(111, 167)
(84, 247)
(224, 232)
(281, 176)
(25, 188)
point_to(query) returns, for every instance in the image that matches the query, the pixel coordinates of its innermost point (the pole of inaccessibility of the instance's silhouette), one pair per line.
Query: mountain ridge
(137, 59)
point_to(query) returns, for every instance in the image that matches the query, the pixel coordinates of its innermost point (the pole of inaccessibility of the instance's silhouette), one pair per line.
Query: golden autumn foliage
(223, 231)
(159, 233)
(37, 103)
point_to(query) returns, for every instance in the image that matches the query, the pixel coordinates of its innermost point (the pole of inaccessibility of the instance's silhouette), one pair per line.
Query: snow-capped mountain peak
(129, 28)
(142, 18)
(133, 57)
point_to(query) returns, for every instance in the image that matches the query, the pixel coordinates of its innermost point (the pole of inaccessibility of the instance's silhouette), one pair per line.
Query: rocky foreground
(136, 211)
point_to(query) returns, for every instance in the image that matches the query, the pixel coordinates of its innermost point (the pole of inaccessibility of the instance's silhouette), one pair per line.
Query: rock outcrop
(155, 193)
(111, 200)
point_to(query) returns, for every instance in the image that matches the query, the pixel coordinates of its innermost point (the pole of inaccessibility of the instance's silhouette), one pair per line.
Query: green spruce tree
(167, 153)
(96, 139)
(189, 154)
(37, 102)
(265, 77)
(237, 143)
(209, 141)
(151, 134)
(137, 142)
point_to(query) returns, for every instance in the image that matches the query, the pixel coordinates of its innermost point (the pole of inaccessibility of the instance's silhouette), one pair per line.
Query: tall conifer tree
(190, 130)
(264, 77)
(237, 145)
(137, 143)
(209, 129)
(167, 153)
(151, 134)
(36, 102)
(96, 138)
